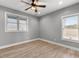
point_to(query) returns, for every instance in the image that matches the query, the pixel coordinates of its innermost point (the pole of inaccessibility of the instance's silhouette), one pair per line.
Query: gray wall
(51, 26)
(48, 27)
(13, 37)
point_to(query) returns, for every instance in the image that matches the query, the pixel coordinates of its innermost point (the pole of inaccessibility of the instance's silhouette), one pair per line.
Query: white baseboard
(66, 46)
(51, 42)
(14, 44)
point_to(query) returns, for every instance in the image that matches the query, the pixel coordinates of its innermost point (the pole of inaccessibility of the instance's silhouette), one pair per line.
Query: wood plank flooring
(38, 49)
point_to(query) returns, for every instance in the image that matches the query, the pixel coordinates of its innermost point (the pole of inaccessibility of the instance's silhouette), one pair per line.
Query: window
(11, 24)
(15, 23)
(22, 25)
(70, 28)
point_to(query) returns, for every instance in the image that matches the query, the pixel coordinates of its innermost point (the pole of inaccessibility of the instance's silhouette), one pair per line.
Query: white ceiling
(52, 5)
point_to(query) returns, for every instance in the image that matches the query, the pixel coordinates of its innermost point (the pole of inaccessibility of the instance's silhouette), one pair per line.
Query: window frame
(16, 15)
(6, 22)
(62, 22)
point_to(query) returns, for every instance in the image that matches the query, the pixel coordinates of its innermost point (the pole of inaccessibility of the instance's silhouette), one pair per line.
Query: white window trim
(6, 17)
(63, 26)
(5, 22)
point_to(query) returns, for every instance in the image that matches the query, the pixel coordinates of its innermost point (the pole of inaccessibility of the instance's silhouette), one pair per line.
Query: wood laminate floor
(38, 49)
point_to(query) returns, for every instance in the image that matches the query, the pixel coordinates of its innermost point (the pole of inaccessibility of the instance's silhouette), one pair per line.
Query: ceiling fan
(33, 5)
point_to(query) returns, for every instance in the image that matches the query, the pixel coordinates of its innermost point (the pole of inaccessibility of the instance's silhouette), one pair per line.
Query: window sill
(69, 40)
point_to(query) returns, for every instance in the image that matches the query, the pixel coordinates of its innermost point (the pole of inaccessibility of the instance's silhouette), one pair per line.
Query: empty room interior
(39, 28)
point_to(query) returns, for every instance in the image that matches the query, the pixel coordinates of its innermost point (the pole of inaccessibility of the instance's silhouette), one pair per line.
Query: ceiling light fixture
(33, 8)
